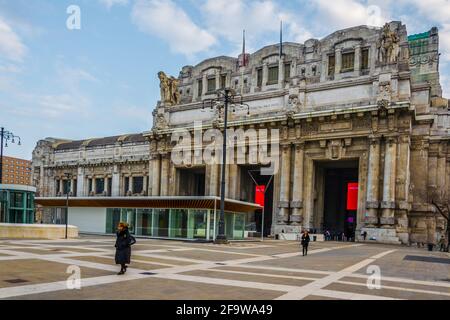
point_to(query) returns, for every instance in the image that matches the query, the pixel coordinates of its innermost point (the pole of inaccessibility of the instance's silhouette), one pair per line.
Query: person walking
(124, 241)
(442, 243)
(305, 242)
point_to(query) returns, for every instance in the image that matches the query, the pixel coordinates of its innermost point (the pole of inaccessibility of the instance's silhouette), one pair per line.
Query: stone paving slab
(399, 294)
(394, 265)
(153, 288)
(203, 255)
(110, 261)
(274, 272)
(245, 277)
(39, 271)
(402, 284)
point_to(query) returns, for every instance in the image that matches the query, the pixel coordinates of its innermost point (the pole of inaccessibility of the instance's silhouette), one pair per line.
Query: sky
(80, 69)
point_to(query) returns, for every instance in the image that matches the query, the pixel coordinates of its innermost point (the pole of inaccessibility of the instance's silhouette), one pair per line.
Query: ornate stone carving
(294, 103)
(388, 46)
(169, 89)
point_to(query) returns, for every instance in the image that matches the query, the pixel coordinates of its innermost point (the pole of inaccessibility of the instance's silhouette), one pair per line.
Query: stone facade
(363, 94)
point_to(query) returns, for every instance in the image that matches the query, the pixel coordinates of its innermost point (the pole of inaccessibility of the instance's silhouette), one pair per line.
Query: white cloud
(111, 3)
(169, 22)
(227, 19)
(11, 46)
(341, 14)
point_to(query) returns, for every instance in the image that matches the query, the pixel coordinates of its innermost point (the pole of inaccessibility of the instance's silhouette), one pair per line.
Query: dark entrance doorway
(250, 178)
(191, 181)
(340, 185)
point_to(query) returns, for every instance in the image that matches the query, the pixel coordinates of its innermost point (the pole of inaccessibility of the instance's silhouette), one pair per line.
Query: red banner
(259, 195)
(352, 196)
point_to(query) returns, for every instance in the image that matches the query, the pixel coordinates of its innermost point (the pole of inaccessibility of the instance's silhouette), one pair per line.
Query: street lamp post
(5, 136)
(226, 97)
(67, 202)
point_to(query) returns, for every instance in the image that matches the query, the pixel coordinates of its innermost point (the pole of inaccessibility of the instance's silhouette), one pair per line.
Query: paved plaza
(161, 269)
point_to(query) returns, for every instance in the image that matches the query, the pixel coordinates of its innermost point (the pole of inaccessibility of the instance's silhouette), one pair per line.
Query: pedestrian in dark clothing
(123, 245)
(365, 235)
(305, 242)
(442, 243)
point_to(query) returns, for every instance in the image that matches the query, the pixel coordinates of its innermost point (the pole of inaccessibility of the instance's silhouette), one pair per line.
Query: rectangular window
(348, 60)
(259, 77)
(200, 88)
(211, 85)
(125, 186)
(99, 185)
(331, 65)
(223, 81)
(66, 186)
(138, 184)
(273, 75)
(287, 72)
(365, 59)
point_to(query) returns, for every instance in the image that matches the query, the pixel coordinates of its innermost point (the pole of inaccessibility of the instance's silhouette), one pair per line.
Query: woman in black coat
(305, 242)
(123, 245)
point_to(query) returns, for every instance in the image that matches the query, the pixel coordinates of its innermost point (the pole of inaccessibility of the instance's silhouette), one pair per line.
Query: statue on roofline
(388, 45)
(169, 89)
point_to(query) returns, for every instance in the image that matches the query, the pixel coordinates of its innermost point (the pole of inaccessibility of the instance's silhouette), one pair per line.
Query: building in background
(364, 136)
(16, 171)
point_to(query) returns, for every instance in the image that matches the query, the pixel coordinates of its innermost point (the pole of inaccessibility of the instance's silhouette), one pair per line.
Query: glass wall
(176, 223)
(17, 206)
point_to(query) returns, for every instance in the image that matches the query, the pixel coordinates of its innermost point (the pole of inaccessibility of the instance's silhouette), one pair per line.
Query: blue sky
(101, 80)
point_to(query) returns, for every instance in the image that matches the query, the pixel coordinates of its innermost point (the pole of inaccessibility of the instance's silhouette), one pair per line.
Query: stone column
(233, 182)
(337, 62)
(388, 204)
(372, 203)
(72, 184)
(94, 184)
(144, 187)
(214, 187)
(106, 185)
(61, 186)
(115, 183)
(205, 84)
(285, 181)
(297, 191)
(165, 162)
(80, 182)
(130, 185)
(441, 163)
(265, 75)
(155, 177)
(357, 65)
(281, 73)
(217, 79)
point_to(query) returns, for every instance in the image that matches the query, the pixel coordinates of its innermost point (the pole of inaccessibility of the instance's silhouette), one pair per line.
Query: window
(138, 184)
(211, 85)
(259, 76)
(314, 70)
(273, 75)
(331, 65)
(365, 59)
(200, 88)
(287, 72)
(125, 186)
(223, 81)
(348, 60)
(303, 72)
(99, 185)
(66, 186)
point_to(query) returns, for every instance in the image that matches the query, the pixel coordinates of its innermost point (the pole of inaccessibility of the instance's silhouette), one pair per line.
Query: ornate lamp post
(225, 97)
(6, 136)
